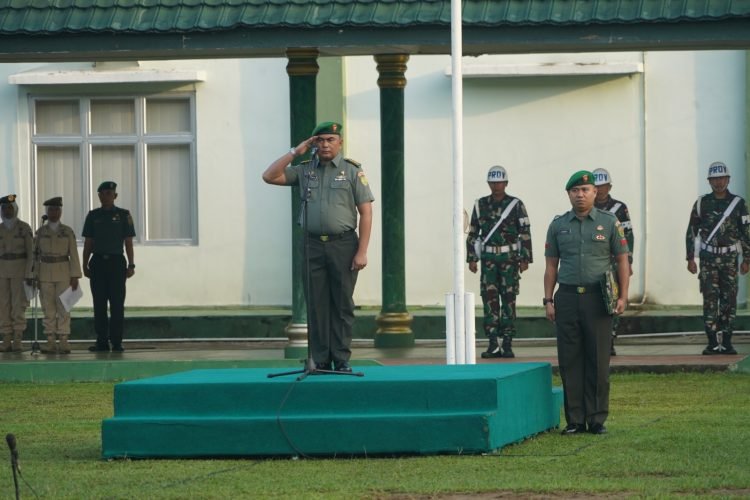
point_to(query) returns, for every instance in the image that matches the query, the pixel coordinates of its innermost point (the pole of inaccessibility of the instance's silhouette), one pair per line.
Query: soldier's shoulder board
(305, 162)
(353, 162)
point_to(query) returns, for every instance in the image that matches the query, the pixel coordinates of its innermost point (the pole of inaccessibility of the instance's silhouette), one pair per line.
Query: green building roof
(127, 29)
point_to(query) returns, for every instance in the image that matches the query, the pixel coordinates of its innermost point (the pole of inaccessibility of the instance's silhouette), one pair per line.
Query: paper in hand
(70, 297)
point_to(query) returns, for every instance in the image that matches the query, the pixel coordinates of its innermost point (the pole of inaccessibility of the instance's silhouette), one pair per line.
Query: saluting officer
(499, 235)
(719, 225)
(107, 230)
(16, 260)
(581, 242)
(603, 201)
(338, 192)
(57, 268)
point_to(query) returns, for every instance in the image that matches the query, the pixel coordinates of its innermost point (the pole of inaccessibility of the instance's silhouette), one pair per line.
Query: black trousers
(108, 275)
(330, 304)
(583, 330)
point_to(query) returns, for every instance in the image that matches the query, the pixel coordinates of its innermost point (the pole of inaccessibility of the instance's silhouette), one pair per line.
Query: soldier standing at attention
(499, 235)
(58, 268)
(338, 192)
(719, 223)
(604, 201)
(16, 260)
(581, 242)
(106, 231)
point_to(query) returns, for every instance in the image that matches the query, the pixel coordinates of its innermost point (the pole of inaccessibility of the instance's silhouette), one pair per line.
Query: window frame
(139, 139)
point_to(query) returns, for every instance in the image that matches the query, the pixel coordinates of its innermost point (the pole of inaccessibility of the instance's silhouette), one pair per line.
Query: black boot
(493, 351)
(726, 344)
(507, 351)
(713, 346)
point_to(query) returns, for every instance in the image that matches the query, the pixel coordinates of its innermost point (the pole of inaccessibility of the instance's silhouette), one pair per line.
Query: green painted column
(394, 321)
(302, 70)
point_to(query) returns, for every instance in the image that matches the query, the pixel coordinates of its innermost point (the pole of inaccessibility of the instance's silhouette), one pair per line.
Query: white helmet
(601, 177)
(718, 169)
(497, 174)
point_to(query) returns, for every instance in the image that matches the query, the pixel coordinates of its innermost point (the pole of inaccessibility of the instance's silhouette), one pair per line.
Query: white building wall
(655, 132)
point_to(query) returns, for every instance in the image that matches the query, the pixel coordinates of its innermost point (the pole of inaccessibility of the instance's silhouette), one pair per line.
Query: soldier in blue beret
(107, 231)
(16, 261)
(337, 241)
(577, 253)
(720, 226)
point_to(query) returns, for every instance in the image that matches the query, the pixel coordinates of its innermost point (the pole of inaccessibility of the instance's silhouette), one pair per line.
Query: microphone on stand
(44, 218)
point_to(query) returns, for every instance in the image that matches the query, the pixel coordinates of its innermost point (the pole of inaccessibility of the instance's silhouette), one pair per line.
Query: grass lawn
(669, 435)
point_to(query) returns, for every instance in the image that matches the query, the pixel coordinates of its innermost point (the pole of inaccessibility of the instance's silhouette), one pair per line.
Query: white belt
(720, 250)
(502, 249)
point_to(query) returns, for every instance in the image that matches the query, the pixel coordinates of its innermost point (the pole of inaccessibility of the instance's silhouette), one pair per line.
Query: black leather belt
(330, 237)
(581, 289)
(107, 256)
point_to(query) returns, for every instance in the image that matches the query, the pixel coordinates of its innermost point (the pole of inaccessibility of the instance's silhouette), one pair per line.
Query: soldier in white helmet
(720, 225)
(603, 201)
(499, 236)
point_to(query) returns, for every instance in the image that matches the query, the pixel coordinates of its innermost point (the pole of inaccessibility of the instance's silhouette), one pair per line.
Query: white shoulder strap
(727, 212)
(615, 208)
(503, 216)
(698, 205)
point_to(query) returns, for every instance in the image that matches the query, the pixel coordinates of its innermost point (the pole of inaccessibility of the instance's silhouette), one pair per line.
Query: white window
(146, 144)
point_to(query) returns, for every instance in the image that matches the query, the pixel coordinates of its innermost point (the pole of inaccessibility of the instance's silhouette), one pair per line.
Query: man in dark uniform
(499, 235)
(603, 201)
(107, 230)
(581, 242)
(338, 192)
(719, 223)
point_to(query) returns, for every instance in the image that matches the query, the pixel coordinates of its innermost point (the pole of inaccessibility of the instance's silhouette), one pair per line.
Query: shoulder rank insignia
(355, 163)
(305, 162)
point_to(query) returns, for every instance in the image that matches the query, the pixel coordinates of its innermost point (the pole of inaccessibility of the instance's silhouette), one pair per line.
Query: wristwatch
(546, 301)
(293, 152)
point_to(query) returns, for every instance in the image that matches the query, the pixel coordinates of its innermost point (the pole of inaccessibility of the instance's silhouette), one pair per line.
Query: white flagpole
(458, 179)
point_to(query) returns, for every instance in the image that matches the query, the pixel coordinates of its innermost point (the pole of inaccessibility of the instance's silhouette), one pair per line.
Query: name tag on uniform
(340, 177)
(564, 231)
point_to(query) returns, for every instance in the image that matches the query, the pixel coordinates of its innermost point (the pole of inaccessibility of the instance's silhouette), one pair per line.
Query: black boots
(507, 351)
(726, 344)
(713, 345)
(493, 351)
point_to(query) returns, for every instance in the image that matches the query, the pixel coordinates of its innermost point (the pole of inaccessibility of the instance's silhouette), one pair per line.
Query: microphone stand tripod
(310, 366)
(35, 350)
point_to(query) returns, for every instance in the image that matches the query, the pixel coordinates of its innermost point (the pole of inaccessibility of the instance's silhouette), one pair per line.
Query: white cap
(497, 174)
(601, 177)
(718, 169)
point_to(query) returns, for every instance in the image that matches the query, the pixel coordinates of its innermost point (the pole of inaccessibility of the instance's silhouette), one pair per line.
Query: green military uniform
(56, 262)
(16, 260)
(108, 228)
(583, 326)
(335, 189)
(718, 261)
(501, 255)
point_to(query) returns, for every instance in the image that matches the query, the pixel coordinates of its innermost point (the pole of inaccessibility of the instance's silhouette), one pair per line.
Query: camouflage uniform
(620, 210)
(502, 254)
(718, 261)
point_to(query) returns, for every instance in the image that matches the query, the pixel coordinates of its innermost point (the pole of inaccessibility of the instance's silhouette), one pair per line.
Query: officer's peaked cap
(107, 185)
(5, 200)
(53, 202)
